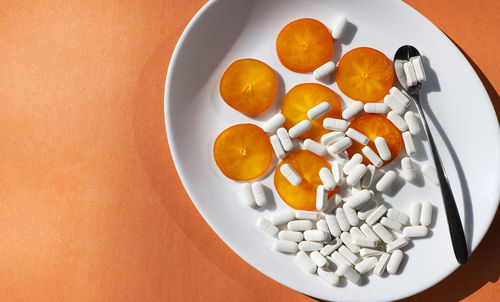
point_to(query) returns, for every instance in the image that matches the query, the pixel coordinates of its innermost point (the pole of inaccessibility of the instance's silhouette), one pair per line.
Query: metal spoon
(403, 54)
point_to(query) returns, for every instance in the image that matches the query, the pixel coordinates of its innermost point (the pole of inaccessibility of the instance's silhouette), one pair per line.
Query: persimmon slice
(304, 45)
(249, 86)
(307, 165)
(303, 97)
(375, 125)
(365, 74)
(243, 152)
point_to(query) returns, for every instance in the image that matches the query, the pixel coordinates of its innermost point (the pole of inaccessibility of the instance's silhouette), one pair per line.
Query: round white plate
(458, 109)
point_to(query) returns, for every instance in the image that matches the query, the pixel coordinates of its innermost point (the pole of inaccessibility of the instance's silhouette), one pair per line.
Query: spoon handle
(454, 222)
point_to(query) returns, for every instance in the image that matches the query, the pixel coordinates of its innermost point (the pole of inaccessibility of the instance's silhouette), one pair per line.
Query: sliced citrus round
(249, 86)
(307, 165)
(304, 45)
(243, 152)
(365, 74)
(303, 97)
(375, 125)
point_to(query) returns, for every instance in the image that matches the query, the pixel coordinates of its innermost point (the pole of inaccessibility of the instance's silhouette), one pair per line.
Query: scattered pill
(335, 124)
(359, 199)
(321, 72)
(315, 147)
(426, 213)
(351, 215)
(415, 231)
(400, 96)
(309, 246)
(332, 246)
(367, 252)
(299, 225)
(350, 274)
(327, 178)
(367, 180)
(367, 209)
(278, 148)
(348, 254)
(299, 128)
(357, 136)
(318, 259)
(331, 137)
(356, 232)
(398, 216)
(409, 145)
(368, 231)
(329, 276)
(430, 172)
(365, 242)
(321, 198)
(259, 194)
(284, 138)
(352, 109)
(309, 215)
(366, 265)
(407, 169)
(418, 66)
(411, 77)
(398, 121)
(394, 104)
(372, 156)
(285, 246)
(334, 201)
(333, 225)
(305, 262)
(290, 174)
(376, 215)
(342, 220)
(273, 123)
(291, 236)
(340, 157)
(338, 27)
(386, 181)
(376, 108)
(355, 160)
(346, 238)
(282, 217)
(394, 262)
(339, 146)
(383, 233)
(247, 194)
(415, 208)
(356, 174)
(266, 225)
(382, 148)
(391, 224)
(381, 264)
(315, 235)
(322, 226)
(412, 122)
(397, 244)
(338, 259)
(338, 175)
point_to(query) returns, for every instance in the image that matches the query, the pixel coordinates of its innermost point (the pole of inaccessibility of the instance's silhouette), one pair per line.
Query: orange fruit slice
(374, 125)
(303, 97)
(249, 86)
(304, 45)
(307, 165)
(365, 74)
(243, 152)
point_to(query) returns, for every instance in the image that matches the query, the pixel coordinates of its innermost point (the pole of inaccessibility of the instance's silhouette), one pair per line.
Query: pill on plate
(338, 175)
(386, 181)
(382, 148)
(348, 254)
(284, 138)
(314, 235)
(415, 231)
(290, 174)
(381, 264)
(398, 121)
(291, 236)
(366, 265)
(321, 198)
(309, 215)
(357, 136)
(367, 252)
(400, 96)
(305, 262)
(376, 215)
(273, 123)
(355, 160)
(407, 169)
(376, 108)
(394, 262)
(412, 122)
(367, 209)
(372, 156)
(318, 259)
(408, 142)
(259, 194)
(338, 27)
(338, 259)
(335, 124)
(299, 128)
(415, 208)
(329, 276)
(398, 216)
(285, 246)
(367, 180)
(333, 225)
(411, 77)
(331, 137)
(309, 246)
(383, 233)
(391, 224)
(418, 66)
(282, 217)
(351, 215)
(247, 194)
(359, 199)
(356, 174)
(278, 148)
(299, 225)
(327, 179)
(339, 146)
(369, 233)
(346, 238)
(322, 72)
(266, 225)
(394, 104)
(349, 273)
(397, 244)
(426, 213)
(352, 109)
(430, 172)
(365, 242)
(332, 246)
(342, 220)
(315, 147)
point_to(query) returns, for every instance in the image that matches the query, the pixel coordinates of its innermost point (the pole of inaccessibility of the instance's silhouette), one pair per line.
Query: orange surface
(87, 213)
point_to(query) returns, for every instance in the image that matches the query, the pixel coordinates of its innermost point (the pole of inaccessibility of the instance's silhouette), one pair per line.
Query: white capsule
(285, 246)
(381, 264)
(309, 215)
(397, 120)
(328, 276)
(357, 136)
(415, 208)
(321, 198)
(409, 145)
(397, 244)
(309, 246)
(335, 124)
(412, 122)
(355, 160)
(315, 235)
(426, 213)
(394, 262)
(299, 128)
(407, 170)
(273, 123)
(382, 148)
(259, 194)
(284, 138)
(368, 231)
(419, 68)
(290, 236)
(290, 174)
(366, 181)
(342, 220)
(376, 108)
(322, 226)
(415, 231)
(365, 242)
(356, 232)
(266, 225)
(394, 104)
(338, 175)
(411, 77)
(348, 254)
(391, 224)
(356, 174)
(400, 96)
(338, 259)
(305, 262)
(327, 178)
(315, 147)
(376, 215)
(372, 156)
(347, 239)
(339, 146)
(368, 252)
(386, 181)
(282, 217)
(331, 137)
(331, 247)
(338, 27)
(367, 209)
(382, 233)
(398, 216)
(350, 274)
(430, 172)
(351, 110)
(299, 225)
(321, 72)
(318, 259)
(334, 201)
(277, 147)
(351, 215)
(359, 199)
(247, 194)
(342, 158)
(366, 265)
(333, 225)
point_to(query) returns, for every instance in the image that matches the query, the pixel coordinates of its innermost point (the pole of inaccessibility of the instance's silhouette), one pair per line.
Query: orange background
(91, 207)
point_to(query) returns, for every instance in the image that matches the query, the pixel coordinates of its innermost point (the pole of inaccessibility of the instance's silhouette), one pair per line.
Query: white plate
(467, 133)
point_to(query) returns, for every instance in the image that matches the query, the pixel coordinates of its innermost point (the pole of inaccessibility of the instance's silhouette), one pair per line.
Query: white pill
(305, 262)
(382, 148)
(394, 104)
(282, 217)
(409, 145)
(315, 235)
(376, 215)
(357, 136)
(309, 215)
(400, 96)
(309, 246)
(284, 138)
(412, 121)
(350, 274)
(355, 160)
(315, 147)
(318, 259)
(342, 220)
(335, 124)
(398, 121)
(321, 198)
(273, 123)
(299, 225)
(321, 72)
(391, 224)
(331, 137)
(372, 156)
(346, 238)
(338, 175)
(381, 264)
(397, 244)
(266, 225)
(367, 209)
(285, 246)
(247, 194)
(322, 226)
(259, 194)
(334, 201)
(376, 108)
(359, 199)
(369, 233)
(430, 172)
(411, 77)
(340, 157)
(394, 262)
(415, 208)
(328, 276)
(407, 169)
(339, 146)
(278, 148)
(386, 181)
(367, 252)
(426, 213)
(398, 216)
(290, 174)
(356, 174)
(290, 236)
(356, 232)
(365, 242)
(338, 27)
(367, 180)
(415, 231)
(382, 233)
(338, 259)
(419, 68)
(351, 215)
(299, 128)
(331, 247)
(366, 265)
(348, 254)
(333, 225)
(327, 178)
(351, 110)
